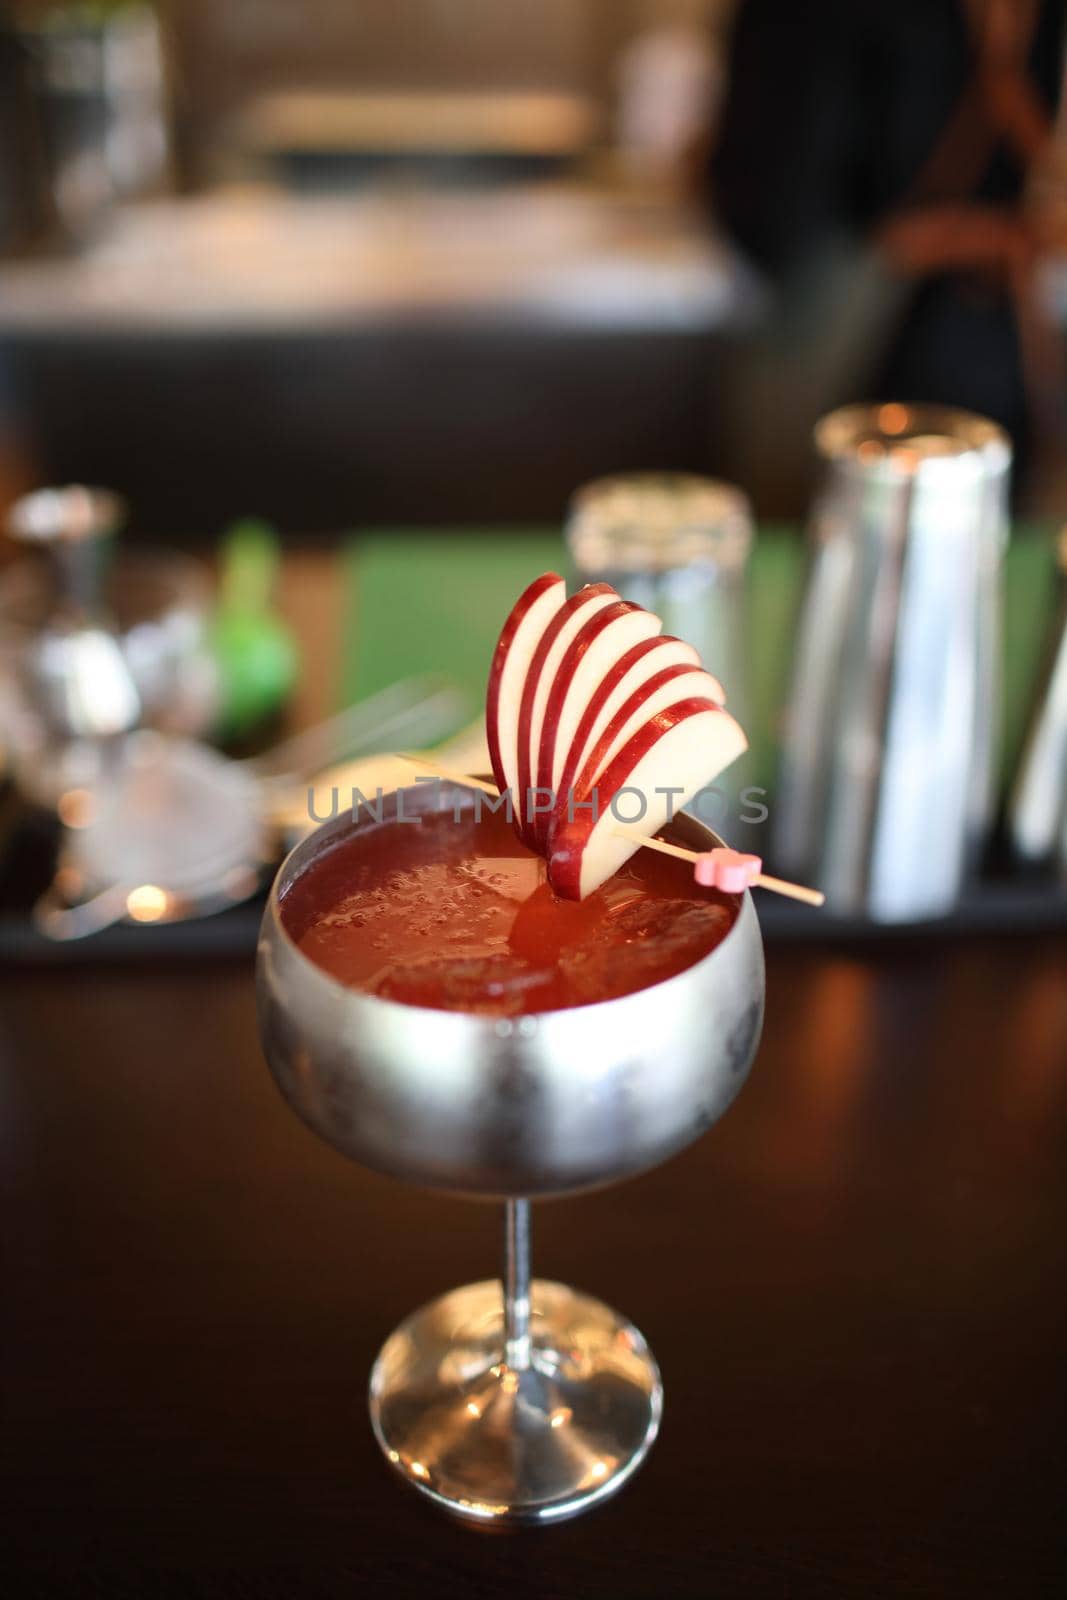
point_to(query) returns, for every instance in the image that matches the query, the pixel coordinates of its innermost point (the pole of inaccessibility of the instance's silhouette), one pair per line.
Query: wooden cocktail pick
(748, 865)
(762, 880)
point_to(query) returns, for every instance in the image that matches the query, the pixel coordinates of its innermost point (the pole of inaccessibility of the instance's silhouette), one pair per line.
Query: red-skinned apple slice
(679, 749)
(551, 649)
(519, 638)
(591, 655)
(663, 689)
(640, 663)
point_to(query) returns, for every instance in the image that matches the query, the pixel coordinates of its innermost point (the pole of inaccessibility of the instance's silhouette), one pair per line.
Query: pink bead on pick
(727, 870)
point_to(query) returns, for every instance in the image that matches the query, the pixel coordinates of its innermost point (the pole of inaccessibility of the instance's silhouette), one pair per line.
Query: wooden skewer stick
(430, 769)
(791, 891)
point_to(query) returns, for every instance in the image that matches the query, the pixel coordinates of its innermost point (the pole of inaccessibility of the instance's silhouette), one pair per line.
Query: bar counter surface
(854, 1286)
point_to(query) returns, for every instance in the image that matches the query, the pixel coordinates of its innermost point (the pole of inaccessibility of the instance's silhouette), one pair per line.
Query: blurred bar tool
(75, 687)
(202, 664)
(172, 829)
(1037, 813)
(677, 544)
(887, 780)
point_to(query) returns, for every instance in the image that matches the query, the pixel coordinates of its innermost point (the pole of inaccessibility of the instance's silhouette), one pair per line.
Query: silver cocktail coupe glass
(523, 1400)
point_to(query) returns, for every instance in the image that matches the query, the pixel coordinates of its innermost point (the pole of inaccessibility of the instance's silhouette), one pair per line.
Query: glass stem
(517, 1285)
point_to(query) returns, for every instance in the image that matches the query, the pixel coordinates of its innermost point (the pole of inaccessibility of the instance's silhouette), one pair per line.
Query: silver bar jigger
(886, 788)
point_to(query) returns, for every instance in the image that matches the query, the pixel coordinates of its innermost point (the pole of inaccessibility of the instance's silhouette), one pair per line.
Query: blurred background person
(888, 167)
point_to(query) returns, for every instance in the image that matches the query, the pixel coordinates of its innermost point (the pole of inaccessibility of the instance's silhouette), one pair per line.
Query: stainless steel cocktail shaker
(1037, 815)
(887, 781)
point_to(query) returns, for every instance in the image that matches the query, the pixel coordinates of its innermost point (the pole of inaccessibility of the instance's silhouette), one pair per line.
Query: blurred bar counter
(394, 354)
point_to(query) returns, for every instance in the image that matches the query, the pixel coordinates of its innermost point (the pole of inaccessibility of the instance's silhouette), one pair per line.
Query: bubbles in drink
(458, 916)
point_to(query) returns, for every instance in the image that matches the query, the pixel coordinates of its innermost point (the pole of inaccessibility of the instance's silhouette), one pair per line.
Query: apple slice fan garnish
(660, 766)
(593, 717)
(519, 638)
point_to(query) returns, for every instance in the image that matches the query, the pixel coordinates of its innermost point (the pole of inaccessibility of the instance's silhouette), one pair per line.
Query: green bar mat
(435, 602)
(425, 601)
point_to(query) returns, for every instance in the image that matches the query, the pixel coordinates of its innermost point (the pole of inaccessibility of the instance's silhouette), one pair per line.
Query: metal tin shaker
(886, 788)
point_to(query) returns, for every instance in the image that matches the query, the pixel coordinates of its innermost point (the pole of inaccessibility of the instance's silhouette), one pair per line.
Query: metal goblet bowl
(520, 1400)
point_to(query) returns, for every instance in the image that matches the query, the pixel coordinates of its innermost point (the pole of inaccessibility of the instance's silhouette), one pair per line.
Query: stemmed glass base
(537, 1438)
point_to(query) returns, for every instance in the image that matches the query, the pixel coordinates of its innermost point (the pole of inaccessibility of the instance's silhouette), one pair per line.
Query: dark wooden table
(855, 1288)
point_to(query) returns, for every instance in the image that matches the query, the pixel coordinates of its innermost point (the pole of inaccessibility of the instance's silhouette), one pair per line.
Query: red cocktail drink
(448, 1005)
(451, 911)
